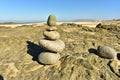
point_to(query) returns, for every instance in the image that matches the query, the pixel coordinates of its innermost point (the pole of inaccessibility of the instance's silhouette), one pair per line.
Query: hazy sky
(37, 10)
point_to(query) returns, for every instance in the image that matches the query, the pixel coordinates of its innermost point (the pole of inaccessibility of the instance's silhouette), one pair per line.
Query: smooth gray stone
(52, 35)
(106, 52)
(53, 46)
(48, 57)
(52, 29)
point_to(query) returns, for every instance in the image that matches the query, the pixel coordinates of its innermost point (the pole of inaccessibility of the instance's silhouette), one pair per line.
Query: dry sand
(19, 50)
(89, 24)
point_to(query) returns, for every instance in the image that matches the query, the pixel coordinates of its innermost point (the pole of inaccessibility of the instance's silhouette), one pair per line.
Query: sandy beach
(20, 48)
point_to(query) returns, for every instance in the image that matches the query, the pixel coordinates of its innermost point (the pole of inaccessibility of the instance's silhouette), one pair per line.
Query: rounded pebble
(52, 35)
(53, 46)
(106, 52)
(52, 29)
(48, 57)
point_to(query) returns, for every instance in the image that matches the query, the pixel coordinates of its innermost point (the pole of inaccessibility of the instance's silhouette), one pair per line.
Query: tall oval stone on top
(106, 52)
(51, 20)
(52, 46)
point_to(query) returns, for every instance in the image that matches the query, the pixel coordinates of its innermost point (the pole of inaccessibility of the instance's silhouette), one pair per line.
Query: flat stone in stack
(52, 35)
(48, 57)
(53, 46)
(52, 29)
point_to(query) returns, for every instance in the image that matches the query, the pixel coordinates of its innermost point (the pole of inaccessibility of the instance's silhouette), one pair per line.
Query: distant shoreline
(33, 22)
(41, 22)
(20, 22)
(89, 24)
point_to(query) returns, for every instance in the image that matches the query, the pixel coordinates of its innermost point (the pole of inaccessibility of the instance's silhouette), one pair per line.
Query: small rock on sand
(106, 52)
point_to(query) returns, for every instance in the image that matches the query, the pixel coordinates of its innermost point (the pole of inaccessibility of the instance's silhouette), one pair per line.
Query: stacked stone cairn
(51, 43)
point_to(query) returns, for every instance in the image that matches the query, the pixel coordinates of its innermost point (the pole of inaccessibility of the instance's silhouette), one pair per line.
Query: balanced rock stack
(52, 44)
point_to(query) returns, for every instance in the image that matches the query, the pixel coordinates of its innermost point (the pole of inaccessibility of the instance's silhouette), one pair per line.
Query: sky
(65, 10)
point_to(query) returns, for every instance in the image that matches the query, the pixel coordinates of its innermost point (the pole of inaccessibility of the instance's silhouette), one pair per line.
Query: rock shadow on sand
(1, 77)
(34, 50)
(118, 56)
(92, 51)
